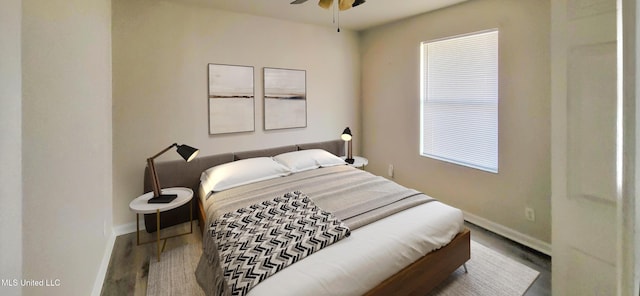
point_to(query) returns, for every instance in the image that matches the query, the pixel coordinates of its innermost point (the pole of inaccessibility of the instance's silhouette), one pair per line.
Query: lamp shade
(347, 137)
(346, 134)
(187, 152)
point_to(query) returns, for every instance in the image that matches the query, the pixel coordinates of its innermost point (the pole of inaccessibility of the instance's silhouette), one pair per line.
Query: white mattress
(371, 254)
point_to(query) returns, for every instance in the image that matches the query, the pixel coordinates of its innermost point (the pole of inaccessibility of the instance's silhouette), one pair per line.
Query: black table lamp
(187, 152)
(347, 137)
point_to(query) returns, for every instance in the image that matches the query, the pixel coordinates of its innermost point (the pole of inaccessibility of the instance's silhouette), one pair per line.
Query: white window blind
(459, 95)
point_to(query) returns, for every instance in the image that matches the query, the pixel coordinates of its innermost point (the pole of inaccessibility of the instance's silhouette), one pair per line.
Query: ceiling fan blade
(326, 4)
(358, 2)
(345, 4)
(298, 2)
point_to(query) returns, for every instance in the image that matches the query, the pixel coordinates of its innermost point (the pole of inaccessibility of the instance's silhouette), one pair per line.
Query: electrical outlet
(530, 214)
(390, 171)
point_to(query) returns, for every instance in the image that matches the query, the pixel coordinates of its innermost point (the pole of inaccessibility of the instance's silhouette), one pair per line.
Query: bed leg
(465, 267)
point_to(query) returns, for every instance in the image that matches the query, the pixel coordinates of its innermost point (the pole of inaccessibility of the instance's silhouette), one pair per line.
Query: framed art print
(231, 99)
(285, 98)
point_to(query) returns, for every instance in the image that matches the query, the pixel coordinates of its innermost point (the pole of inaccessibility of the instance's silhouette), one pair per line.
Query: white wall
(160, 54)
(67, 146)
(10, 145)
(391, 113)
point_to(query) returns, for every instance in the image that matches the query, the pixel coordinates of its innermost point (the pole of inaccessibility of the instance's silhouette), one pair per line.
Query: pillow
(303, 160)
(241, 172)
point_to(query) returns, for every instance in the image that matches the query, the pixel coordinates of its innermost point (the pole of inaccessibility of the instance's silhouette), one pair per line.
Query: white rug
(175, 273)
(490, 274)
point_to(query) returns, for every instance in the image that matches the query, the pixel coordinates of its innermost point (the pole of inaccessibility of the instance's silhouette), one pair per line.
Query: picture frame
(231, 99)
(285, 98)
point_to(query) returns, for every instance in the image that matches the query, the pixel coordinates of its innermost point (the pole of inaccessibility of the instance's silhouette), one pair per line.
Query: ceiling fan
(342, 4)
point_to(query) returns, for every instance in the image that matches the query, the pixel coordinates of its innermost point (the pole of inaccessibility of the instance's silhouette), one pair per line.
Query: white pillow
(241, 172)
(303, 160)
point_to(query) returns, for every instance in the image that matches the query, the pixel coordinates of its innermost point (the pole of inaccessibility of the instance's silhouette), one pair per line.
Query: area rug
(175, 273)
(490, 274)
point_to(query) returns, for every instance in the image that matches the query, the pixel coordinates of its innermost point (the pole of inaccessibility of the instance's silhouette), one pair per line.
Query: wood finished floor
(129, 264)
(519, 253)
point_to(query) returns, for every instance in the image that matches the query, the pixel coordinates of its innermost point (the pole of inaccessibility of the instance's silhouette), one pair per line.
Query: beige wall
(67, 147)
(160, 54)
(391, 117)
(10, 145)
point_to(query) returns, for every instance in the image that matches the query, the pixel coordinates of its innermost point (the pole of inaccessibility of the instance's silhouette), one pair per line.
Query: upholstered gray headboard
(178, 173)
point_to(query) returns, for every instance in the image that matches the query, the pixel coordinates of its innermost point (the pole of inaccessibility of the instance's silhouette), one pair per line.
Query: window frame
(424, 100)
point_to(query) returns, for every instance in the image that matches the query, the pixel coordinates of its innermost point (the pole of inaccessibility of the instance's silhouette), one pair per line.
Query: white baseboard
(509, 233)
(104, 265)
(128, 228)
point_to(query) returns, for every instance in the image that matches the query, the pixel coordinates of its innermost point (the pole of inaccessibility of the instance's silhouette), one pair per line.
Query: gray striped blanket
(350, 195)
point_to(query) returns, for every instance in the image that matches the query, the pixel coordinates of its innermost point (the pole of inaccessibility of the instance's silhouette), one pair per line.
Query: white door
(584, 106)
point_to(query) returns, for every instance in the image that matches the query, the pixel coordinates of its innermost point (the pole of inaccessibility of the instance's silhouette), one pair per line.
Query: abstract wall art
(285, 98)
(231, 99)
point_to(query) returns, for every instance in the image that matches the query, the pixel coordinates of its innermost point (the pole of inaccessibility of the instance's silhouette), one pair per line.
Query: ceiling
(367, 15)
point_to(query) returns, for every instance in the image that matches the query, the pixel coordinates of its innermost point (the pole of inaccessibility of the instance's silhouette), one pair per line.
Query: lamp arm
(155, 183)
(163, 151)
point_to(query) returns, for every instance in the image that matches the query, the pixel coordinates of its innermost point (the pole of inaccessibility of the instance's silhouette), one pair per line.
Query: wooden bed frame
(422, 275)
(429, 271)
(418, 278)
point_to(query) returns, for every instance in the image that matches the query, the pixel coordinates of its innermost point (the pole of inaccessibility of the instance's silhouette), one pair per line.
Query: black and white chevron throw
(259, 240)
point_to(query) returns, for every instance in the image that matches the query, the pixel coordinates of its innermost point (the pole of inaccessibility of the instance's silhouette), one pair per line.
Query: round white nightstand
(358, 161)
(141, 206)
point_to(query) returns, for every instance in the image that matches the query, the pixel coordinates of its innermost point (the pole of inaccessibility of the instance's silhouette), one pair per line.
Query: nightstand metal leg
(465, 267)
(158, 231)
(191, 215)
(138, 228)
(141, 205)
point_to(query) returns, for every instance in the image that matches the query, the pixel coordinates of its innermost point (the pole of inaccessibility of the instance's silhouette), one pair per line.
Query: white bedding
(370, 255)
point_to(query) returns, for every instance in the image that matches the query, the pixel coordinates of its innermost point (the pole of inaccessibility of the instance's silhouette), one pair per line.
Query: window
(459, 100)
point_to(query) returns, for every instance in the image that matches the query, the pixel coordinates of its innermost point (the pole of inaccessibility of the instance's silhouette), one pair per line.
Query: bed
(407, 250)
